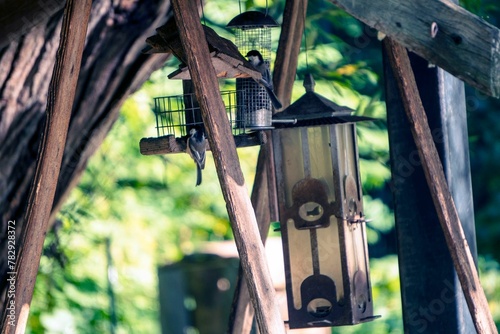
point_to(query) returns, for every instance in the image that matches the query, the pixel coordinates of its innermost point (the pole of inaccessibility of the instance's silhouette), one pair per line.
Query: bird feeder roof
(226, 58)
(252, 20)
(315, 109)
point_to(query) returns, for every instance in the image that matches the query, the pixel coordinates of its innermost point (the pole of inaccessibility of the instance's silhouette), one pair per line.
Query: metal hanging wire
(203, 12)
(305, 34)
(240, 1)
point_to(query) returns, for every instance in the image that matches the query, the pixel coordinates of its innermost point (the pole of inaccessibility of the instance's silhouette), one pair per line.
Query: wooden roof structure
(225, 56)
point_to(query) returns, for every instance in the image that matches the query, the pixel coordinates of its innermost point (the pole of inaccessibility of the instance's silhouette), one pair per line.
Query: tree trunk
(112, 68)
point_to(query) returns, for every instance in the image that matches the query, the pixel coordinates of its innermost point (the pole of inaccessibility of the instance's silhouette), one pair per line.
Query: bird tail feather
(198, 175)
(274, 99)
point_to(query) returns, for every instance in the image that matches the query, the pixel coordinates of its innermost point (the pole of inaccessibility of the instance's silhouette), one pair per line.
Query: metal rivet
(434, 29)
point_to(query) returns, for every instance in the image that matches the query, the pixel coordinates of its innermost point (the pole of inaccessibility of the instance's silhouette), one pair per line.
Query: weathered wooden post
(23, 270)
(264, 190)
(429, 283)
(432, 300)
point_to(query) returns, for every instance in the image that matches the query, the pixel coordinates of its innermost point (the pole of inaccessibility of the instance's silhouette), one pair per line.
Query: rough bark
(112, 68)
(61, 93)
(18, 17)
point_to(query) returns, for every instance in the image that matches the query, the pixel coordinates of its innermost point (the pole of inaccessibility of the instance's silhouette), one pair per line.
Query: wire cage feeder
(252, 31)
(176, 115)
(248, 107)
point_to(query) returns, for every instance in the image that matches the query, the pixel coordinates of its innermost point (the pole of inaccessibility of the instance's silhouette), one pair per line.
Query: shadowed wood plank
(170, 144)
(18, 17)
(440, 31)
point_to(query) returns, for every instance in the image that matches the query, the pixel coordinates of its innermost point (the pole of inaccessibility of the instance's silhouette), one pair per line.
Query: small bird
(196, 147)
(255, 58)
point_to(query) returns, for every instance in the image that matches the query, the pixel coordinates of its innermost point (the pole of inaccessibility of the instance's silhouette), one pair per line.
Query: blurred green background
(152, 213)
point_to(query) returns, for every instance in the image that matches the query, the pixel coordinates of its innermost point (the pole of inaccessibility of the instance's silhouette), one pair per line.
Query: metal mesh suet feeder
(252, 31)
(176, 115)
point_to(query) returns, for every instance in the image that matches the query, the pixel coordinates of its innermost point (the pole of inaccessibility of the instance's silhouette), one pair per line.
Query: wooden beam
(59, 106)
(441, 196)
(285, 66)
(242, 313)
(239, 206)
(426, 269)
(285, 70)
(264, 193)
(440, 31)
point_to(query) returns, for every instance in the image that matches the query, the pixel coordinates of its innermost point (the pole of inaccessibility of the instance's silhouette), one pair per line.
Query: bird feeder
(253, 32)
(177, 115)
(321, 213)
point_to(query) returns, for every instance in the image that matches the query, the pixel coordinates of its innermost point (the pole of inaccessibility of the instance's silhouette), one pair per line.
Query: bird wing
(266, 75)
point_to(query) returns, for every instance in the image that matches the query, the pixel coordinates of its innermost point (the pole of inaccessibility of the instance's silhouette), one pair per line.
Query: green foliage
(484, 138)
(490, 281)
(484, 155)
(488, 10)
(387, 303)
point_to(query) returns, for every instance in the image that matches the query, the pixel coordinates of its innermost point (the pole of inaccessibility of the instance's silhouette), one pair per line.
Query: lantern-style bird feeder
(252, 31)
(321, 213)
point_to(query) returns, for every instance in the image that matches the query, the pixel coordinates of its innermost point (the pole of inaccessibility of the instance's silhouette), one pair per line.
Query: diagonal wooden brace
(59, 106)
(441, 196)
(239, 207)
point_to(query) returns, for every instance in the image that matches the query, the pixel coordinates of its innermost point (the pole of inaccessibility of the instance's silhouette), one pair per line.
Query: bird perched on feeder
(196, 147)
(255, 58)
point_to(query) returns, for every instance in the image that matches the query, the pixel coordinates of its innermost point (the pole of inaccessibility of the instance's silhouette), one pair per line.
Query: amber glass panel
(301, 265)
(320, 157)
(293, 162)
